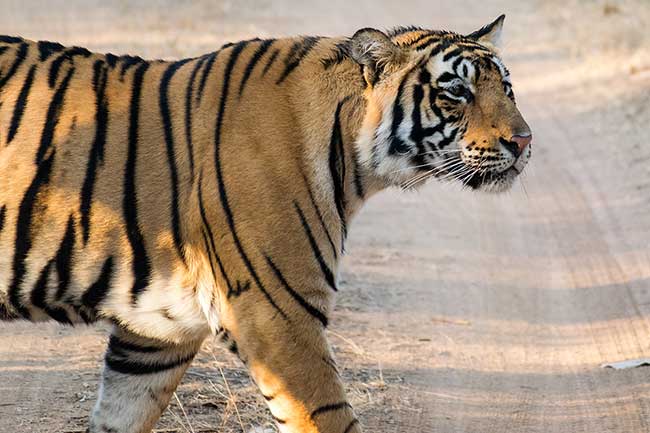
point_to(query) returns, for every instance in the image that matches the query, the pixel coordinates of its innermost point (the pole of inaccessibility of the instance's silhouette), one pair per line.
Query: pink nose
(522, 141)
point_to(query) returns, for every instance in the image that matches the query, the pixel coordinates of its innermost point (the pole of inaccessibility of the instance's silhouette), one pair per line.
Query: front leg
(290, 360)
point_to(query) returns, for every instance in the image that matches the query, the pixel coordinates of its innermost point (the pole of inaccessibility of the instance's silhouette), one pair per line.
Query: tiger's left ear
(377, 53)
(490, 35)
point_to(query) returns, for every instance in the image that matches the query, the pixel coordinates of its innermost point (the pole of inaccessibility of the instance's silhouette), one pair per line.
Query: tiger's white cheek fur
(374, 140)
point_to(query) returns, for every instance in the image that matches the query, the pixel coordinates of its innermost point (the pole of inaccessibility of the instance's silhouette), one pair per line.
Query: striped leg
(294, 370)
(138, 380)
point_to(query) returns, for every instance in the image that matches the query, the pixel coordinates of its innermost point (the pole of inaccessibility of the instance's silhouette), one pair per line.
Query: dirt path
(459, 312)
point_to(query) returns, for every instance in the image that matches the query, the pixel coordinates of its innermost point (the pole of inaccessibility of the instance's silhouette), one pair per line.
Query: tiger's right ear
(378, 55)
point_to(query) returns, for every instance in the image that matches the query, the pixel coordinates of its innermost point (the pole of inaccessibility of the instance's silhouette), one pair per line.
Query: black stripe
(331, 408)
(351, 425)
(315, 312)
(96, 156)
(47, 48)
(140, 262)
(278, 420)
(272, 59)
(127, 63)
(23, 243)
(332, 364)
(337, 168)
(320, 216)
(446, 77)
(137, 368)
(397, 145)
(453, 53)
(188, 113)
(52, 119)
(63, 259)
(99, 289)
(207, 247)
(67, 55)
(21, 103)
(3, 214)
(444, 44)
(341, 52)
(420, 38)
(39, 293)
(116, 344)
(329, 276)
(10, 39)
(400, 30)
(298, 52)
(448, 140)
(204, 76)
(171, 153)
(261, 50)
(358, 177)
(424, 77)
(418, 133)
(456, 64)
(44, 162)
(439, 48)
(223, 195)
(212, 249)
(474, 47)
(111, 60)
(21, 54)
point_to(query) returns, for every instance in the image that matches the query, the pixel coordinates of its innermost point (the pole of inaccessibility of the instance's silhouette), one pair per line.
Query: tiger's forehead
(431, 43)
(448, 52)
(421, 40)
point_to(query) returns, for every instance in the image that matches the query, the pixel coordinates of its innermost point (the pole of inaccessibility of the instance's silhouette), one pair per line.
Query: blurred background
(458, 312)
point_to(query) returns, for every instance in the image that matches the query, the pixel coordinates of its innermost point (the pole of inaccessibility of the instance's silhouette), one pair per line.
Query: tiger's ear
(378, 55)
(490, 35)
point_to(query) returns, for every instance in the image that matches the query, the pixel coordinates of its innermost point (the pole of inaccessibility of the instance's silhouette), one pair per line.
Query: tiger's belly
(168, 310)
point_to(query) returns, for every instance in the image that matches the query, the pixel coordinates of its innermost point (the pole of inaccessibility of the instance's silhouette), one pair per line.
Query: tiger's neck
(332, 86)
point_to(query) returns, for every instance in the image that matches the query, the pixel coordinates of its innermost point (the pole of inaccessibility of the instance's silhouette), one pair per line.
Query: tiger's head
(440, 104)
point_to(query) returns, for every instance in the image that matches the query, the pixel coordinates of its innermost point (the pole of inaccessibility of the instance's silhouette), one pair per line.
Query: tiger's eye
(457, 90)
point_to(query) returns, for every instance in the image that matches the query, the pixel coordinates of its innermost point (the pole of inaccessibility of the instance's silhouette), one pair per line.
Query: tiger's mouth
(500, 181)
(456, 169)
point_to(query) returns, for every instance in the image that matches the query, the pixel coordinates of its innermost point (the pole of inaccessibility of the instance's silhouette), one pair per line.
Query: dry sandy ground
(459, 312)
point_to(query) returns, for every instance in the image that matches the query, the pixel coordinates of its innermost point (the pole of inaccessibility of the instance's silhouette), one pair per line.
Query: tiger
(211, 196)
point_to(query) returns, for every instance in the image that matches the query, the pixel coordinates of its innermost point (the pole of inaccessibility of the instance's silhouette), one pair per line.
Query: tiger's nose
(522, 141)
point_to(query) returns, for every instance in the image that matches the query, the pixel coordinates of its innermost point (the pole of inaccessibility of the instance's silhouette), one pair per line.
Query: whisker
(522, 179)
(467, 178)
(436, 153)
(455, 173)
(415, 179)
(412, 167)
(448, 165)
(441, 152)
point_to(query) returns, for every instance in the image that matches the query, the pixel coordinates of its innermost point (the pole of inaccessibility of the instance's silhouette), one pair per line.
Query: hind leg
(139, 377)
